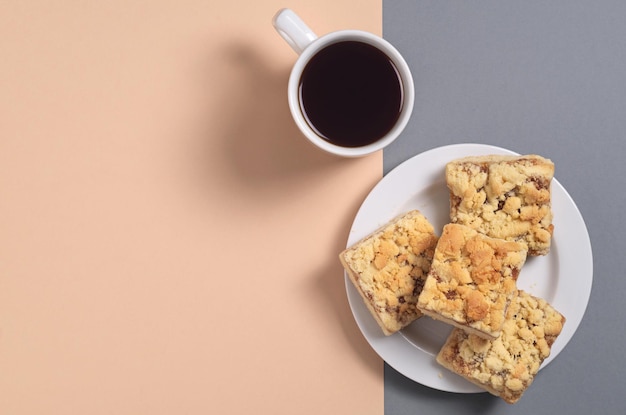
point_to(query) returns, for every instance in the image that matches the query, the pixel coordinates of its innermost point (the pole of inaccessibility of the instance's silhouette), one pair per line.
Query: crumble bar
(472, 280)
(388, 268)
(506, 366)
(505, 197)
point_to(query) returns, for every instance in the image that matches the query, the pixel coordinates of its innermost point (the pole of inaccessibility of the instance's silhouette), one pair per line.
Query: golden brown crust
(388, 268)
(505, 197)
(507, 365)
(472, 280)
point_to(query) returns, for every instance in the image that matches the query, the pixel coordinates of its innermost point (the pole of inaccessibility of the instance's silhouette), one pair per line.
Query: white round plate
(563, 277)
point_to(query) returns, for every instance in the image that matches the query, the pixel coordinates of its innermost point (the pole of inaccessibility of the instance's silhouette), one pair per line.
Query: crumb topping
(507, 365)
(506, 197)
(390, 266)
(472, 279)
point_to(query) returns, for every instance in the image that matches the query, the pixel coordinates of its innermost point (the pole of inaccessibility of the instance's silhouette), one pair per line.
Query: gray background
(546, 77)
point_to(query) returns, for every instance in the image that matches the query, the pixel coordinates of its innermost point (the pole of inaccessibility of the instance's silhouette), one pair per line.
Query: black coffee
(351, 93)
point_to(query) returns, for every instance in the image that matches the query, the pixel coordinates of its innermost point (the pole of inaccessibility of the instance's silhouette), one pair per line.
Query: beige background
(168, 240)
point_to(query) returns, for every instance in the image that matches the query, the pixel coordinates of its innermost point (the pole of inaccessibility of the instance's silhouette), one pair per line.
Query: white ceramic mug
(307, 44)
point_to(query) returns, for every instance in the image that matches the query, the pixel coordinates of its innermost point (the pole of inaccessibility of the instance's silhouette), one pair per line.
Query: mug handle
(295, 32)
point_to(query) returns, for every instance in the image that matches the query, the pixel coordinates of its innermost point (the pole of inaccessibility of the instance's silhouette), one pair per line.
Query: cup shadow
(259, 138)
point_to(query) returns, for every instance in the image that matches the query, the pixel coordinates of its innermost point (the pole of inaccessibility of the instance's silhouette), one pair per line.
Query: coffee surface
(351, 93)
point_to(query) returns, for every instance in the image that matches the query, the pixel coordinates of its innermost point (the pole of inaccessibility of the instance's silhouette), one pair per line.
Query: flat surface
(152, 182)
(168, 239)
(533, 77)
(563, 277)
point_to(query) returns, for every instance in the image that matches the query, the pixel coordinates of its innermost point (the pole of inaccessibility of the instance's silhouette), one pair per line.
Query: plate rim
(384, 345)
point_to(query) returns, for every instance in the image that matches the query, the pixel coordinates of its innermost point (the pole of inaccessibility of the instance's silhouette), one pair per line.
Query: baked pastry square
(506, 366)
(388, 268)
(472, 280)
(504, 196)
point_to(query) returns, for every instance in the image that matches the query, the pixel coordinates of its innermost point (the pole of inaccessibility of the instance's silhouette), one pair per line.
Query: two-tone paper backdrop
(168, 240)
